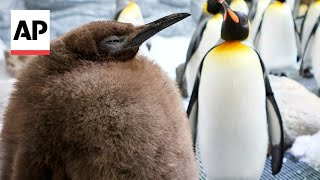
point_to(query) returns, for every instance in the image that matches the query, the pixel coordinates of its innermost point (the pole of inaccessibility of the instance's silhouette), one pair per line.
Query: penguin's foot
(306, 73)
(282, 74)
(148, 45)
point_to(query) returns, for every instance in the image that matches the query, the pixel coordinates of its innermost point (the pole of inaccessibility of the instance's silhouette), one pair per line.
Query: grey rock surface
(300, 108)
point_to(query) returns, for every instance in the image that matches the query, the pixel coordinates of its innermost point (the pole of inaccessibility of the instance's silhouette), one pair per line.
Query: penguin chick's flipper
(275, 127)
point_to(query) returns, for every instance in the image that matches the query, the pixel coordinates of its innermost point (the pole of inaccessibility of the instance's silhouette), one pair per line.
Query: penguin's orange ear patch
(233, 16)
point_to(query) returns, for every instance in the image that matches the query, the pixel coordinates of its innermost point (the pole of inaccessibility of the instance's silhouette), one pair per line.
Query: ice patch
(307, 149)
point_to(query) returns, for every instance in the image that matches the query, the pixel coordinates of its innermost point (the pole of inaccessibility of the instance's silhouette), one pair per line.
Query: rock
(299, 108)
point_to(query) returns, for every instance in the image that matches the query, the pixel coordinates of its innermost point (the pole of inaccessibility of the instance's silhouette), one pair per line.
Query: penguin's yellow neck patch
(277, 4)
(233, 46)
(217, 16)
(205, 7)
(232, 55)
(317, 2)
(131, 6)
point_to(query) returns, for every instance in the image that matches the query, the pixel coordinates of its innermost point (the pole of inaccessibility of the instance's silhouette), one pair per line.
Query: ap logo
(30, 32)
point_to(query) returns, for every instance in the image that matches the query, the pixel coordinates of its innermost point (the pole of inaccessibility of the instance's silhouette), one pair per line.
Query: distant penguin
(308, 23)
(93, 109)
(206, 36)
(294, 6)
(301, 13)
(316, 54)
(255, 15)
(232, 108)
(303, 8)
(277, 39)
(240, 5)
(129, 12)
(312, 47)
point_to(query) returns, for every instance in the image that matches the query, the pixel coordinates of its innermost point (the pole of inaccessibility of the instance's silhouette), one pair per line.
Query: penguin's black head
(235, 26)
(283, 1)
(111, 40)
(213, 7)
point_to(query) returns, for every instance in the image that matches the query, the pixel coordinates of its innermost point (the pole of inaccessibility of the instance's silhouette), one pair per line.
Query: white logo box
(23, 46)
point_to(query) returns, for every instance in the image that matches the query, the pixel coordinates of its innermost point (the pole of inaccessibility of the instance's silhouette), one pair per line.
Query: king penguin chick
(240, 5)
(93, 109)
(206, 36)
(306, 33)
(278, 40)
(232, 107)
(128, 11)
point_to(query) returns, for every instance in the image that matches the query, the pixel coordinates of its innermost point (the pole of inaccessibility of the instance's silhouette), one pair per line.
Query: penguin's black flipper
(275, 127)
(196, 37)
(121, 4)
(253, 9)
(313, 32)
(257, 36)
(192, 110)
(116, 16)
(298, 43)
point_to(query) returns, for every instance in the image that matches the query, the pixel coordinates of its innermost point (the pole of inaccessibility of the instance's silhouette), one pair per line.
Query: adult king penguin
(205, 37)
(128, 11)
(307, 25)
(89, 111)
(277, 39)
(232, 107)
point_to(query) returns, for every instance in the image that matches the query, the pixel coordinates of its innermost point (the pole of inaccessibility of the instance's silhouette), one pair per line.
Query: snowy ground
(307, 148)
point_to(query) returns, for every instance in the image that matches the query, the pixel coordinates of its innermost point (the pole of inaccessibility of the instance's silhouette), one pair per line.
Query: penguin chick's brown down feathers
(92, 110)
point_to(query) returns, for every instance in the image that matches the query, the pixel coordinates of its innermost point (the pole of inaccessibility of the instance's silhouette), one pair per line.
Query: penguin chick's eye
(113, 39)
(112, 43)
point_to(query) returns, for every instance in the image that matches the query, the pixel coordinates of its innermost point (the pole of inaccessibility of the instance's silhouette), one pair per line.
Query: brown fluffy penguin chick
(95, 110)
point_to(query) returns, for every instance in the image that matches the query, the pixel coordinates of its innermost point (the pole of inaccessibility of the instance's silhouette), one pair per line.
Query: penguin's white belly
(277, 43)
(210, 37)
(316, 56)
(232, 123)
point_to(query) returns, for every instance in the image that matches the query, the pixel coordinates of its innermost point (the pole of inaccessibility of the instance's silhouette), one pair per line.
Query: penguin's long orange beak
(146, 31)
(228, 12)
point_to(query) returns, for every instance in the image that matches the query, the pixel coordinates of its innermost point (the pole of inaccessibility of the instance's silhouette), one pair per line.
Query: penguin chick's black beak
(146, 31)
